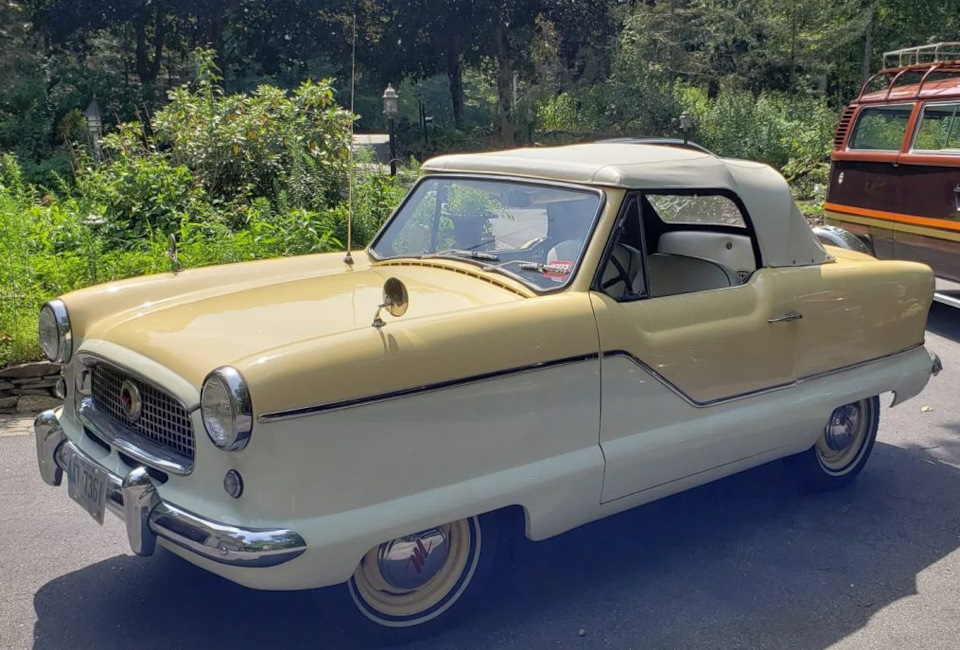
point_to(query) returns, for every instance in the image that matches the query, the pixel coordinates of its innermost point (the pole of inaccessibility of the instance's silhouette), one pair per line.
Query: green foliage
(260, 145)
(791, 133)
(114, 222)
(562, 113)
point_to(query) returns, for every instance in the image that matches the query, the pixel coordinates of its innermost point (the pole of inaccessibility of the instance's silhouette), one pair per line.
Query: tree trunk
(868, 41)
(159, 33)
(504, 84)
(148, 70)
(143, 63)
(455, 75)
(713, 87)
(215, 36)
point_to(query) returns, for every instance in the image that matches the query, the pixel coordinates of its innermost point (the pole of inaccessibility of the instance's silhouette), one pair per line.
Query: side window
(881, 128)
(673, 243)
(939, 130)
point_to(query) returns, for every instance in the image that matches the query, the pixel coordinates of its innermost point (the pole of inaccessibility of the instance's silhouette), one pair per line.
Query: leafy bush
(791, 133)
(114, 222)
(563, 113)
(260, 145)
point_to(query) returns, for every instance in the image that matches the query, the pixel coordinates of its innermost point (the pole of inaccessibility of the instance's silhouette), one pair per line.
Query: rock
(8, 402)
(30, 391)
(36, 403)
(38, 369)
(5, 385)
(38, 383)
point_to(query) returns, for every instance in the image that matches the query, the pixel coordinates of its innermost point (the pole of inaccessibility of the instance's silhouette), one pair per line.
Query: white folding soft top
(782, 232)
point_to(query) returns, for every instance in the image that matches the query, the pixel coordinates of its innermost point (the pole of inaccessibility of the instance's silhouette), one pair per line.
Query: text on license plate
(87, 485)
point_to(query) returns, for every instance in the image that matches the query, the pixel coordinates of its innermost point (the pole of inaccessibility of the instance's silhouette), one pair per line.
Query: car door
(678, 370)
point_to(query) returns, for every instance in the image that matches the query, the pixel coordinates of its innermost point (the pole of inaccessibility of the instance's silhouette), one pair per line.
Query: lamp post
(94, 124)
(390, 109)
(686, 122)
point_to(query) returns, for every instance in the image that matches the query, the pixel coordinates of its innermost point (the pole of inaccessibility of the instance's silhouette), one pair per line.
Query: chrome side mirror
(395, 300)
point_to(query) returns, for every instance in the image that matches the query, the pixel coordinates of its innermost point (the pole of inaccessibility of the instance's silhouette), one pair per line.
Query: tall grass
(55, 242)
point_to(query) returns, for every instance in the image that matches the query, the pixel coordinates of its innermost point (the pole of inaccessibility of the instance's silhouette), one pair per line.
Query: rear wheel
(417, 584)
(842, 449)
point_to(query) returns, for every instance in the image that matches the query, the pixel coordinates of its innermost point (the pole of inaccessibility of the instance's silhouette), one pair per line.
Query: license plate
(87, 485)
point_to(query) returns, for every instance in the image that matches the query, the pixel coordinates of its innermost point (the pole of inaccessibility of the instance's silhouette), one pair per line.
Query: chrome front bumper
(134, 498)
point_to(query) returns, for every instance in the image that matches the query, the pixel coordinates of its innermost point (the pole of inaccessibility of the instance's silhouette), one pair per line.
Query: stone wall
(28, 388)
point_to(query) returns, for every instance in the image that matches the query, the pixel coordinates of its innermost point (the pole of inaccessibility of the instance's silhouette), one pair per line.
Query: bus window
(939, 130)
(881, 128)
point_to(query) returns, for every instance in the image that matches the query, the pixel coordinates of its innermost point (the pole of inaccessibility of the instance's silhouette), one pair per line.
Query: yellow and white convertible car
(536, 338)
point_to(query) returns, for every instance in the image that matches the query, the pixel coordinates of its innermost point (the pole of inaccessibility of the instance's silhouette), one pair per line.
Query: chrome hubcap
(843, 427)
(412, 561)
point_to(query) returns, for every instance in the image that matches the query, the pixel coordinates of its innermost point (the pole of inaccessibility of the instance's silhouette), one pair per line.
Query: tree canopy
(608, 65)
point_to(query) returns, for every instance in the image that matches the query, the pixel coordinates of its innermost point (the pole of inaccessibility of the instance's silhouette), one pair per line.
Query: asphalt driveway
(746, 562)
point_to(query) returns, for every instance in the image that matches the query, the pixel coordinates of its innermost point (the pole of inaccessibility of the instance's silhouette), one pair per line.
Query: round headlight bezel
(63, 349)
(239, 426)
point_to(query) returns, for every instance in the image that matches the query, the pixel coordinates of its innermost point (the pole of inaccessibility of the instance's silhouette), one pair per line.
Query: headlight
(226, 409)
(55, 337)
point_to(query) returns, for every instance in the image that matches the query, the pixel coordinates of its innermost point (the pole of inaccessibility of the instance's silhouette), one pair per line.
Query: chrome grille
(163, 420)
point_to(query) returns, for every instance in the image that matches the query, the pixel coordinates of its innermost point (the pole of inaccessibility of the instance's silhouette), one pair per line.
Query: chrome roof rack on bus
(933, 53)
(906, 63)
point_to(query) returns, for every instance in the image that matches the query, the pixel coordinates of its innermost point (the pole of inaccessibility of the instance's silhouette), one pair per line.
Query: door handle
(786, 318)
(956, 197)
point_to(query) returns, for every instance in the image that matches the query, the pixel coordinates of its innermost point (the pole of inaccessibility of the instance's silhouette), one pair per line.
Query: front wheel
(414, 585)
(842, 449)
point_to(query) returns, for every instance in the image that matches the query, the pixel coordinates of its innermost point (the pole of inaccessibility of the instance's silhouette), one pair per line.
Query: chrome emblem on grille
(130, 400)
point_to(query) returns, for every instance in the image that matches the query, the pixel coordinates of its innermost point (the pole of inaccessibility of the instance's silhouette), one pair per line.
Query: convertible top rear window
(713, 209)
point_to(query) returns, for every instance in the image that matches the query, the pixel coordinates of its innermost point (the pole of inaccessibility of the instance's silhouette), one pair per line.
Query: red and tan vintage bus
(895, 172)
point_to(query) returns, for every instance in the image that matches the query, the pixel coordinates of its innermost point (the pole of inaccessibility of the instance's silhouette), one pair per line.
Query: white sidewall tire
(814, 474)
(460, 584)
(366, 620)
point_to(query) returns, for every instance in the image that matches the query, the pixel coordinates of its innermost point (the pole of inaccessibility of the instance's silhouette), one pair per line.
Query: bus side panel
(868, 186)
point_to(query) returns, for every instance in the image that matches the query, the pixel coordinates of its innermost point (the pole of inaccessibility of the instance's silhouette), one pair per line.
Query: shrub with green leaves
(259, 145)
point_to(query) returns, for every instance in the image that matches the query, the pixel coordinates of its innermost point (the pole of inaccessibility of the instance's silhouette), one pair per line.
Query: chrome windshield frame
(485, 266)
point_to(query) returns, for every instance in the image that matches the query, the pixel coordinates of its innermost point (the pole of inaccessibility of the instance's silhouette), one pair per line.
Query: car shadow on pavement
(944, 321)
(744, 562)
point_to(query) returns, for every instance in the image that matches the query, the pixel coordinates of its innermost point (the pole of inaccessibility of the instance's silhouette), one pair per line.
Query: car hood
(218, 321)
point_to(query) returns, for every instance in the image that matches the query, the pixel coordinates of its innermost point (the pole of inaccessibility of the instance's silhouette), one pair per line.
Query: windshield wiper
(544, 268)
(470, 255)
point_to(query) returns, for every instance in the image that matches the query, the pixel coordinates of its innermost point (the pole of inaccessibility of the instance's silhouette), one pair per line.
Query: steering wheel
(621, 276)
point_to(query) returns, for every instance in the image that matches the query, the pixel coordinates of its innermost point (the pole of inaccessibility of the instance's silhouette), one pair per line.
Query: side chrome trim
(383, 397)
(135, 499)
(761, 391)
(362, 401)
(129, 443)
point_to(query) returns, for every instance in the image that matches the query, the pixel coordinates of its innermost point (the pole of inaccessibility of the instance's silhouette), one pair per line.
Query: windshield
(535, 232)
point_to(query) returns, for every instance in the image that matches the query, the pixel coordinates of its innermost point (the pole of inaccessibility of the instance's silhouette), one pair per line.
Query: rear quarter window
(881, 128)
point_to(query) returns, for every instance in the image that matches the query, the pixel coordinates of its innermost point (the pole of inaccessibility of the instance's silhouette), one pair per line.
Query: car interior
(680, 257)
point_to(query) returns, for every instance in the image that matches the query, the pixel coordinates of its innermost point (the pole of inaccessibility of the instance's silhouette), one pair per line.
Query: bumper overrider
(134, 498)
